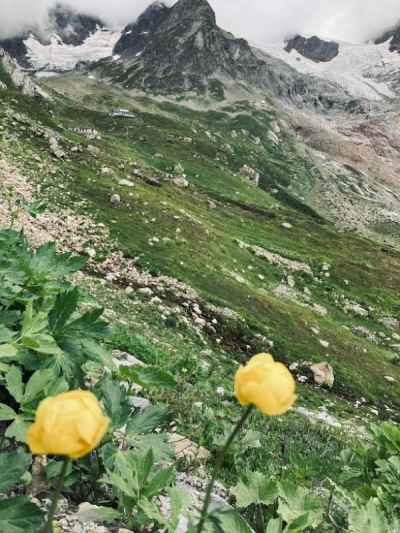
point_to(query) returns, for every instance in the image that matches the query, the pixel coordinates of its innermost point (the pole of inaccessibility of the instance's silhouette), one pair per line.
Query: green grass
(201, 247)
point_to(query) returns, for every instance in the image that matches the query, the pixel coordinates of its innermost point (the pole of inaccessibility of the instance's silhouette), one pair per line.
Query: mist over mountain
(264, 22)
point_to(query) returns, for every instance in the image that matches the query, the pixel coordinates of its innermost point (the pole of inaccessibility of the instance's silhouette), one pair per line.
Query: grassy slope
(204, 253)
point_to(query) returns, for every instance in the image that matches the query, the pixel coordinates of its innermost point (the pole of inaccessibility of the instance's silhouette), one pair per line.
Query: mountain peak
(193, 9)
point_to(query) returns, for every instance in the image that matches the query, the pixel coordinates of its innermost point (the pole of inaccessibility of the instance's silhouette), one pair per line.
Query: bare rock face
(394, 37)
(313, 48)
(182, 49)
(136, 36)
(323, 374)
(17, 78)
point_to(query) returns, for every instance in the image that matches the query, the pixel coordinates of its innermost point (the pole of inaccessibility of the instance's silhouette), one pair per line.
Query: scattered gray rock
(251, 174)
(115, 199)
(181, 182)
(126, 183)
(323, 374)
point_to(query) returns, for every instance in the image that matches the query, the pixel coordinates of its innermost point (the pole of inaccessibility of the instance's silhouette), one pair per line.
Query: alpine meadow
(199, 272)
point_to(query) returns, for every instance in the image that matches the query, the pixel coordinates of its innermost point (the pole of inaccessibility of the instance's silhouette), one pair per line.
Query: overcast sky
(257, 20)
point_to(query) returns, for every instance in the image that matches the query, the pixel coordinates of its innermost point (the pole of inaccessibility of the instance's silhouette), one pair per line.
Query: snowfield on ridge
(364, 70)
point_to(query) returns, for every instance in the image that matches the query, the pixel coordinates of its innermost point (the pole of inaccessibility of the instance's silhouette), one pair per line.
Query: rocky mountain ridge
(182, 49)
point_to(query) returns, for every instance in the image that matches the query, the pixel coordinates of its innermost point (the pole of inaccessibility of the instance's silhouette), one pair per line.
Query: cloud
(265, 21)
(260, 21)
(15, 15)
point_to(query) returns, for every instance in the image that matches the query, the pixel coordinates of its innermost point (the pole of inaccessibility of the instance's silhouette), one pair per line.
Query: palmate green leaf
(296, 502)
(48, 264)
(159, 482)
(301, 523)
(274, 526)
(115, 401)
(120, 483)
(148, 376)
(19, 515)
(158, 442)
(151, 510)
(124, 473)
(179, 503)
(257, 488)
(64, 307)
(17, 430)
(89, 324)
(41, 343)
(6, 413)
(369, 519)
(9, 318)
(33, 322)
(147, 420)
(4, 368)
(94, 351)
(37, 384)
(55, 387)
(230, 521)
(6, 335)
(8, 350)
(144, 464)
(14, 383)
(13, 466)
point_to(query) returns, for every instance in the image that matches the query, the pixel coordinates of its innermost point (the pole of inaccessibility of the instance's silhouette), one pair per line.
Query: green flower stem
(48, 528)
(218, 465)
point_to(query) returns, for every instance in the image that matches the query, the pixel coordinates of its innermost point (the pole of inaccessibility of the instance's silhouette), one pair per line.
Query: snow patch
(60, 57)
(364, 70)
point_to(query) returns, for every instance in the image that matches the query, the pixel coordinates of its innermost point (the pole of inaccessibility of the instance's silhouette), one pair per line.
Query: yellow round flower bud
(266, 384)
(70, 424)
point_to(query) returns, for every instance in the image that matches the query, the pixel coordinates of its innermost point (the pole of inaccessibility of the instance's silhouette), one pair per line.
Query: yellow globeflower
(266, 384)
(70, 424)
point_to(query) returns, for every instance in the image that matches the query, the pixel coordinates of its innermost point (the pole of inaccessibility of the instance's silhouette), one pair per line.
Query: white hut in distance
(122, 113)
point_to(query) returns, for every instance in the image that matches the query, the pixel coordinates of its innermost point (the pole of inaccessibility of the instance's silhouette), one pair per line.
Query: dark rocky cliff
(313, 48)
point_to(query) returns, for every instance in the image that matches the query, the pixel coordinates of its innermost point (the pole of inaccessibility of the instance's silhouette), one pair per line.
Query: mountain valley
(229, 200)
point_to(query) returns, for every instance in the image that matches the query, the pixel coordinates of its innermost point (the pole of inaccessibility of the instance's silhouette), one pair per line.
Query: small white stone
(286, 225)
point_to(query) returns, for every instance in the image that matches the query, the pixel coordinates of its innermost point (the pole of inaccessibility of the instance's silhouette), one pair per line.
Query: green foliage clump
(52, 342)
